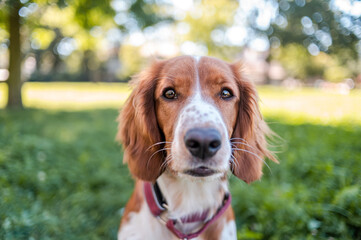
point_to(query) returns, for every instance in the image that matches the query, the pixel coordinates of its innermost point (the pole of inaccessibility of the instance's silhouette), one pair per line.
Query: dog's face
(196, 108)
(194, 117)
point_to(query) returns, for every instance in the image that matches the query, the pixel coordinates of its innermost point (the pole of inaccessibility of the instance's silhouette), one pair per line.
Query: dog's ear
(249, 134)
(138, 129)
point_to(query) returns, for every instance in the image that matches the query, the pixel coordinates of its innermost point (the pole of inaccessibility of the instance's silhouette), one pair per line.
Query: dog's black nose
(203, 142)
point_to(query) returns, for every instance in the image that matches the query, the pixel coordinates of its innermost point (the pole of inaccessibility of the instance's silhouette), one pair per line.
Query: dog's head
(195, 116)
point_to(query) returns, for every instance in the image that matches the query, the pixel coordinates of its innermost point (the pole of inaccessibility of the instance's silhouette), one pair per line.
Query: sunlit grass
(297, 106)
(3, 94)
(311, 105)
(70, 96)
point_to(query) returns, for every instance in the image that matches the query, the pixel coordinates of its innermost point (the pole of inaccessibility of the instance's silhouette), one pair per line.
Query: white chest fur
(185, 196)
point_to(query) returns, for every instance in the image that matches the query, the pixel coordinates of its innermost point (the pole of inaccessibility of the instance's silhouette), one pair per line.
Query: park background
(64, 68)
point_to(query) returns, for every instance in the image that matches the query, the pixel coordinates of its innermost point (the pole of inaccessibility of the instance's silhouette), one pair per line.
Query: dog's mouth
(200, 172)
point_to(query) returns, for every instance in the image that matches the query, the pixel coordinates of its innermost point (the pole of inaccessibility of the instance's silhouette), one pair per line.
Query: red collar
(156, 202)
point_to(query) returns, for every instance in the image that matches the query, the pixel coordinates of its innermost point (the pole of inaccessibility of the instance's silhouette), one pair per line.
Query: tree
(12, 11)
(306, 27)
(209, 21)
(85, 16)
(14, 80)
(319, 25)
(321, 28)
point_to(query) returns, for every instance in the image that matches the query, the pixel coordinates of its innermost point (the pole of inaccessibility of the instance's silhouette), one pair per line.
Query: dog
(189, 122)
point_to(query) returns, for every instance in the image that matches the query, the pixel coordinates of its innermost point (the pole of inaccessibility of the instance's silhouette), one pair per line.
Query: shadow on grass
(61, 177)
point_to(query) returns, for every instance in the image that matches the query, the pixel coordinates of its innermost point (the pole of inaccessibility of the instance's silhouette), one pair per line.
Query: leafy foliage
(300, 64)
(209, 16)
(297, 61)
(316, 22)
(61, 177)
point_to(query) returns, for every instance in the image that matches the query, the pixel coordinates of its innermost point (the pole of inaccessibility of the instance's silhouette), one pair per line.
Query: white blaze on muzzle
(199, 113)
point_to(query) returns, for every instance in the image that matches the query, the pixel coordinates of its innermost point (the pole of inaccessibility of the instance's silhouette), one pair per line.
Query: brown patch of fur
(177, 73)
(214, 76)
(251, 127)
(214, 230)
(138, 127)
(229, 214)
(135, 202)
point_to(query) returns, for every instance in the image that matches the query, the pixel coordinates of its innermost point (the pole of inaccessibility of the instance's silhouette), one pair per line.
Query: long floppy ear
(138, 129)
(249, 135)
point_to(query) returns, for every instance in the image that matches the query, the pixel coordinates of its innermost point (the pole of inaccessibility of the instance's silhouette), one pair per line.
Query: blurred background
(64, 68)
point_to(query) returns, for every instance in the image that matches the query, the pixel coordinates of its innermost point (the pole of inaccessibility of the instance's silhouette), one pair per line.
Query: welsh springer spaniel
(188, 122)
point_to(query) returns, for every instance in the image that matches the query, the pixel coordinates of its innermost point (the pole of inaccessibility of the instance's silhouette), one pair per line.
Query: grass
(62, 177)
(311, 105)
(70, 96)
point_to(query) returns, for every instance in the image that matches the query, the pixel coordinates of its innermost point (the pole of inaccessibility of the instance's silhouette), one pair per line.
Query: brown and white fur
(206, 93)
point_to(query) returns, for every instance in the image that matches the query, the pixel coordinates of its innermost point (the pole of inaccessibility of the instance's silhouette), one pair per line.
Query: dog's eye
(169, 93)
(226, 94)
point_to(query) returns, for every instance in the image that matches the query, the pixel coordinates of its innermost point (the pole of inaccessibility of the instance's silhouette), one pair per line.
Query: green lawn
(61, 172)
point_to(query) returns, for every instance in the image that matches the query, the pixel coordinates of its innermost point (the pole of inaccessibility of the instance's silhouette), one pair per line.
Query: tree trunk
(86, 72)
(14, 81)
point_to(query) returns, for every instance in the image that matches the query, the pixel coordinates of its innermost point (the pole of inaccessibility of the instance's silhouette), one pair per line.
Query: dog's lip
(201, 171)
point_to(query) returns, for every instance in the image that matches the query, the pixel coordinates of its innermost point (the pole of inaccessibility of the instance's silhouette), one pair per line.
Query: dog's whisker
(233, 162)
(252, 153)
(236, 164)
(245, 150)
(245, 144)
(166, 162)
(160, 150)
(158, 143)
(238, 139)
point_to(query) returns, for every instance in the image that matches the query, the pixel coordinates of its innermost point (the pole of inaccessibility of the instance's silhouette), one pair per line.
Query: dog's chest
(142, 225)
(193, 197)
